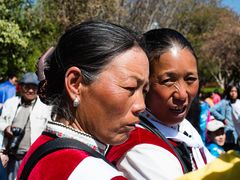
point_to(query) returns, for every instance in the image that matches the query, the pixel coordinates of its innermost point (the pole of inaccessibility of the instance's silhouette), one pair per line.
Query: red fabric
(203, 155)
(57, 165)
(138, 136)
(119, 178)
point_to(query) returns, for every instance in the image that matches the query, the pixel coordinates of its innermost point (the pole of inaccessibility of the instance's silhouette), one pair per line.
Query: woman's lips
(178, 111)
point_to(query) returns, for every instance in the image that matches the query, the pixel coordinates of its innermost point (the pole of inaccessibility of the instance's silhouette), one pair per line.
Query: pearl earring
(76, 102)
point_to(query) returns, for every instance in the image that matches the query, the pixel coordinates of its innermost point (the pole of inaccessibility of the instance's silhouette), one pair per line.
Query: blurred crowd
(216, 116)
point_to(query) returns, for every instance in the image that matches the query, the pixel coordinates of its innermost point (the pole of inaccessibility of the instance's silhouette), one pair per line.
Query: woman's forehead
(182, 61)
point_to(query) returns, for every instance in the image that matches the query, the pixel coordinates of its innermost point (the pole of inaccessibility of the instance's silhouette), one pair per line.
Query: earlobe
(72, 82)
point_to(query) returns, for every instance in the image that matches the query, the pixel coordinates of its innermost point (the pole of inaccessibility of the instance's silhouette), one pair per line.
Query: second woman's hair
(159, 41)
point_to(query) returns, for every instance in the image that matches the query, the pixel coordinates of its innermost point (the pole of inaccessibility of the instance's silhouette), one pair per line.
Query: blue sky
(233, 4)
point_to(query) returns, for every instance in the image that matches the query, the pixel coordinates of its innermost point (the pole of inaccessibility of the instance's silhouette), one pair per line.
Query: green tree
(24, 35)
(12, 40)
(195, 21)
(214, 33)
(28, 28)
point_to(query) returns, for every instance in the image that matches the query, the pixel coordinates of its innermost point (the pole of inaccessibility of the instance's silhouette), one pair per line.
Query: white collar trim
(177, 134)
(60, 130)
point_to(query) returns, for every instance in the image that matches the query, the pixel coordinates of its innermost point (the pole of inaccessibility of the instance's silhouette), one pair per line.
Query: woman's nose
(139, 104)
(180, 92)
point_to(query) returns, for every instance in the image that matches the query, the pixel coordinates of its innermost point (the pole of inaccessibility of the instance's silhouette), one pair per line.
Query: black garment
(3, 173)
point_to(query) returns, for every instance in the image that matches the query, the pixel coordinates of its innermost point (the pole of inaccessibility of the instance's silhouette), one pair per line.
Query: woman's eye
(167, 82)
(131, 89)
(191, 80)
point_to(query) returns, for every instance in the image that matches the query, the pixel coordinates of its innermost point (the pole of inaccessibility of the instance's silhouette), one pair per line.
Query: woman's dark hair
(159, 41)
(228, 89)
(89, 46)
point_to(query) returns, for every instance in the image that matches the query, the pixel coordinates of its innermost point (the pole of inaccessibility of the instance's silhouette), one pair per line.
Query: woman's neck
(70, 123)
(233, 100)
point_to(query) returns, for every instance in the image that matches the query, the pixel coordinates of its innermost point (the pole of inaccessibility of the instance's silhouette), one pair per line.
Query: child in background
(216, 137)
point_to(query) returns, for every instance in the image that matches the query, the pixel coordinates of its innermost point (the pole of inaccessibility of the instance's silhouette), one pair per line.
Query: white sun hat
(214, 125)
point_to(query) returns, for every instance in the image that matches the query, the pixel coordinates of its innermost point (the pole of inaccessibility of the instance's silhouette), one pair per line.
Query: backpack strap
(149, 126)
(55, 145)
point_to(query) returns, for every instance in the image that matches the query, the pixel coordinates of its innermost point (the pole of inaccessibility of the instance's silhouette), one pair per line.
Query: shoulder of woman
(99, 170)
(186, 123)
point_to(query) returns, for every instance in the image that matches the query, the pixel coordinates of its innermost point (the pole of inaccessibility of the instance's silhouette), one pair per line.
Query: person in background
(96, 79)
(228, 111)
(216, 96)
(22, 121)
(216, 137)
(199, 115)
(8, 89)
(209, 99)
(204, 118)
(165, 145)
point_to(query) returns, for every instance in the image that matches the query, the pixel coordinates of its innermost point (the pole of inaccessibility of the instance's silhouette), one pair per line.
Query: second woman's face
(109, 106)
(173, 85)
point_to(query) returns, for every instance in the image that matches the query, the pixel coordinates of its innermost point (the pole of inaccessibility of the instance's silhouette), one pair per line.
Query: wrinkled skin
(173, 85)
(110, 105)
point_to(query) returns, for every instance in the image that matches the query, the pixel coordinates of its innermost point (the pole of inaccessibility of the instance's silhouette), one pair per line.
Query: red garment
(62, 163)
(138, 136)
(147, 156)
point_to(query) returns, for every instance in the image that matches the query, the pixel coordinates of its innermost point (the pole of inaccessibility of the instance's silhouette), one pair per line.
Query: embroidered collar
(60, 130)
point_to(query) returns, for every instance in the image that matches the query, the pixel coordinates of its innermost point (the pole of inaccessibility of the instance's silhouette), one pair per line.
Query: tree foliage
(222, 49)
(142, 14)
(12, 38)
(71, 12)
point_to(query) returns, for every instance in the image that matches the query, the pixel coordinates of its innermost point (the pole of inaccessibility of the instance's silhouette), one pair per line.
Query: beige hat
(214, 125)
(212, 118)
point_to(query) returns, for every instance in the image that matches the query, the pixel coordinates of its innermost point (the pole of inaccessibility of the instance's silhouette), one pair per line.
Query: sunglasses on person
(27, 87)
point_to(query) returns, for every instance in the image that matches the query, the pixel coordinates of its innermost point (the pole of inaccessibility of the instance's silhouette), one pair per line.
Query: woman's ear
(73, 79)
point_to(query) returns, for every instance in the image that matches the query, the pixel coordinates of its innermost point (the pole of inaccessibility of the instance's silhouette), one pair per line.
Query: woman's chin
(177, 118)
(119, 140)
(171, 121)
